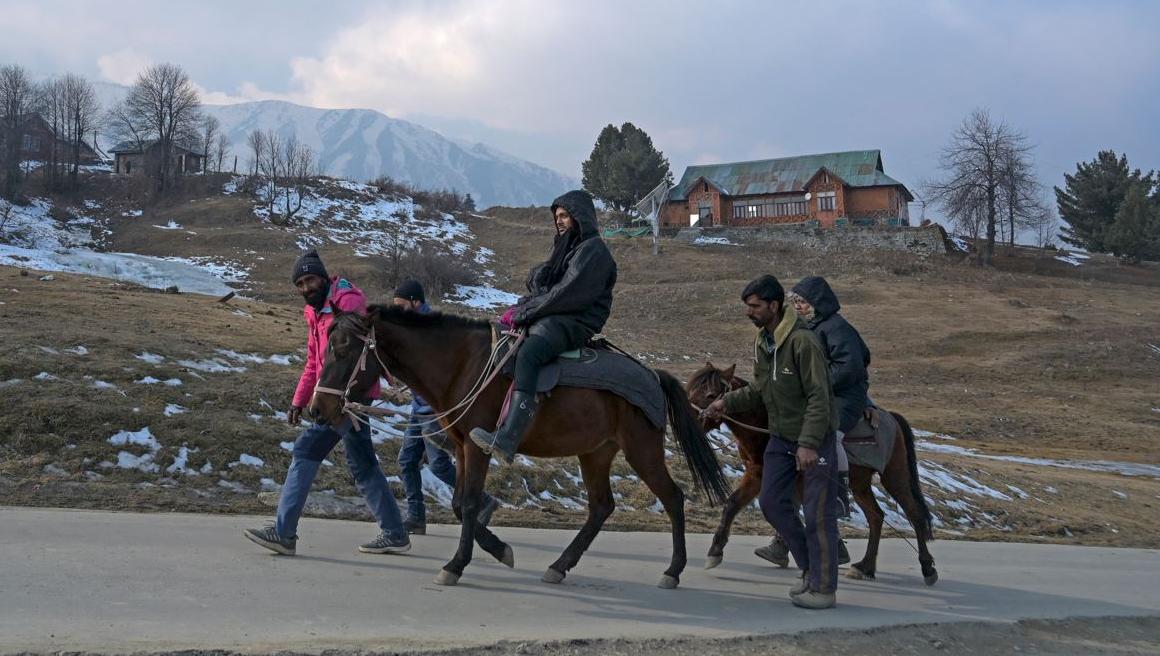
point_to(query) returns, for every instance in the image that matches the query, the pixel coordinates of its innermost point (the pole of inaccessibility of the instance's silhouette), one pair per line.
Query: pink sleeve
(309, 378)
(352, 302)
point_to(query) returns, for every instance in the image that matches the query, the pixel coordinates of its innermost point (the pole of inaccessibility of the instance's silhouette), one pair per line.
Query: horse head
(708, 384)
(350, 368)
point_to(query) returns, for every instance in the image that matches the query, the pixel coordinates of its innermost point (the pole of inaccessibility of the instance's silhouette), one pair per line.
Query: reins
(359, 412)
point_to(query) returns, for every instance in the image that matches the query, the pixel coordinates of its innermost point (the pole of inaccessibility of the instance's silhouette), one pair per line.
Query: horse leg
(745, 493)
(896, 480)
(594, 468)
(484, 537)
(475, 464)
(861, 479)
(647, 458)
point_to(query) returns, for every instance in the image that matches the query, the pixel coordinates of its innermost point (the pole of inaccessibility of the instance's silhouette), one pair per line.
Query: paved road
(99, 581)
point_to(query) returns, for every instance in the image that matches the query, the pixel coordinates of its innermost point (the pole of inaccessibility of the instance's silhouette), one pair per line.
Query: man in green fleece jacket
(791, 381)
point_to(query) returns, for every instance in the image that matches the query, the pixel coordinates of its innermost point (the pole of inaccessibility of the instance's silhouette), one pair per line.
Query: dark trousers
(815, 545)
(536, 351)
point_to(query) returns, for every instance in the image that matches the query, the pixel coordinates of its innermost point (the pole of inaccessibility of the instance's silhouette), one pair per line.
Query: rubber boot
(506, 439)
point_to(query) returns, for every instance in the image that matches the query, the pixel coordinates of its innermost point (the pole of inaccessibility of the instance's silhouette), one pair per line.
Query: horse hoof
(552, 576)
(446, 578)
(509, 556)
(857, 574)
(668, 582)
(932, 578)
(713, 561)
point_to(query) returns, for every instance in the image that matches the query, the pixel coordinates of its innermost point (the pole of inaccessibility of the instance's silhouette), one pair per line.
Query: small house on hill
(828, 190)
(130, 157)
(37, 139)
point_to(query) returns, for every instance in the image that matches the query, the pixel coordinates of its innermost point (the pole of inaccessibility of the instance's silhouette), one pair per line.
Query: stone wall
(922, 241)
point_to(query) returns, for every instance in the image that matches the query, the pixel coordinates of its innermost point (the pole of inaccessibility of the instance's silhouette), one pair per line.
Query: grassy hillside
(1044, 373)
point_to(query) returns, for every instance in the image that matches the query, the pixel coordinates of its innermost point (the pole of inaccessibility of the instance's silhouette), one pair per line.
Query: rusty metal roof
(857, 168)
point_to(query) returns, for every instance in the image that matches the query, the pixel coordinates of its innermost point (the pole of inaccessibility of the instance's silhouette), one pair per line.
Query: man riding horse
(570, 298)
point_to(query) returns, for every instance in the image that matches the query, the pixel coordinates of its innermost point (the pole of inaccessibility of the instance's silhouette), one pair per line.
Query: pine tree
(1135, 234)
(624, 166)
(1091, 198)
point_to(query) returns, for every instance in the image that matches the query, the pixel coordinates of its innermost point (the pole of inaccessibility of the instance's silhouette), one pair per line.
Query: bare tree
(210, 129)
(17, 99)
(220, 150)
(973, 162)
(257, 143)
(284, 166)
(81, 109)
(162, 105)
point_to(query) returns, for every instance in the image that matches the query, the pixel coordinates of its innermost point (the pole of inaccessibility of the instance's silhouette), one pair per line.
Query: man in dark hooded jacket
(570, 298)
(848, 358)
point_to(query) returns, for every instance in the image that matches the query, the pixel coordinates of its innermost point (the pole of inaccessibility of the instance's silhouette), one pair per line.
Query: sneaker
(776, 552)
(415, 527)
(385, 544)
(843, 553)
(269, 538)
(801, 586)
(815, 600)
(488, 509)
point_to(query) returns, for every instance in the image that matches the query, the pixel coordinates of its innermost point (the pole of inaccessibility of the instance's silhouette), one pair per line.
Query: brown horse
(442, 357)
(900, 477)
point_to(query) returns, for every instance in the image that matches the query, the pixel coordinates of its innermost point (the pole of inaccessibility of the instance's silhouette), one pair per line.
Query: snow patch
(1122, 468)
(150, 380)
(481, 298)
(247, 460)
(174, 409)
(151, 358)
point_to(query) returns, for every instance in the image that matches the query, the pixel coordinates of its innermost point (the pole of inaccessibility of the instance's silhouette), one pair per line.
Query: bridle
(727, 418)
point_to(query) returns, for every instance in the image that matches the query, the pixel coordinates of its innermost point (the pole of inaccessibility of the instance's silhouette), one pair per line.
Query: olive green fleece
(792, 384)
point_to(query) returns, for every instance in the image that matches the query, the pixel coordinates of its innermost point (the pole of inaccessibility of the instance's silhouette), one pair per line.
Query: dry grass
(1048, 364)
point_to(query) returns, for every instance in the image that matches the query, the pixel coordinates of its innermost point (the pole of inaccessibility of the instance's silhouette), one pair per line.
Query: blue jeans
(815, 545)
(309, 450)
(411, 461)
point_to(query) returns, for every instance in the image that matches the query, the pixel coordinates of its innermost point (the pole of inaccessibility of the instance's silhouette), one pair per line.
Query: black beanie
(410, 290)
(307, 263)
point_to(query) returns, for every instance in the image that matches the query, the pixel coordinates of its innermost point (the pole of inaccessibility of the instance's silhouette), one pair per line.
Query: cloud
(122, 66)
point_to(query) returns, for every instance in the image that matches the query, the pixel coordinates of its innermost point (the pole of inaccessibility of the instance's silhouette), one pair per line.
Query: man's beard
(317, 298)
(756, 322)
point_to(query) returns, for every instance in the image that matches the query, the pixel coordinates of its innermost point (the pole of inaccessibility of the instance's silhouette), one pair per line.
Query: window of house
(31, 142)
(826, 201)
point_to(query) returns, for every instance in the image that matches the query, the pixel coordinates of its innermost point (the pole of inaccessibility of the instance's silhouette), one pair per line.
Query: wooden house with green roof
(827, 190)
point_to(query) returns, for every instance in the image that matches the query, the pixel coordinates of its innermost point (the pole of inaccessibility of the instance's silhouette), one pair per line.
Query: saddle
(599, 365)
(871, 441)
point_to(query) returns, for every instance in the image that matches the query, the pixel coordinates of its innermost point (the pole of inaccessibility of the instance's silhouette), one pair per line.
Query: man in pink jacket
(323, 295)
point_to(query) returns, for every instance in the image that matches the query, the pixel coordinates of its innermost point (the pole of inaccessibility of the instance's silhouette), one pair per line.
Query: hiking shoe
(801, 586)
(269, 538)
(414, 527)
(815, 600)
(488, 509)
(843, 553)
(776, 552)
(385, 544)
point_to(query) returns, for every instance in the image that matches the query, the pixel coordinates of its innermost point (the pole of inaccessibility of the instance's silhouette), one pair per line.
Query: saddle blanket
(608, 371)
(870, 442)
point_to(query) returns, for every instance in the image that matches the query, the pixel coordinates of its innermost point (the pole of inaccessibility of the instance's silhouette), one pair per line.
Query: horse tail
(927, 527)
(699, 455)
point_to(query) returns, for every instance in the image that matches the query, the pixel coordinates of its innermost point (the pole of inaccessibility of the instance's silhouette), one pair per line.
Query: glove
(508, 320)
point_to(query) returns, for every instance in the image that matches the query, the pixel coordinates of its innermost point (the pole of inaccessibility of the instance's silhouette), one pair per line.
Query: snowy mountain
(362, 144)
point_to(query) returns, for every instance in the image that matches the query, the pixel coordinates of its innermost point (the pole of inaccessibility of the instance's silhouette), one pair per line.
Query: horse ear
(729, 371)
(709, 364)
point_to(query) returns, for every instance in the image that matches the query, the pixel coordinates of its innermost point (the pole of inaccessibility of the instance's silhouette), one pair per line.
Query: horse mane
(709, 374)
(702, 376)
(435, 320)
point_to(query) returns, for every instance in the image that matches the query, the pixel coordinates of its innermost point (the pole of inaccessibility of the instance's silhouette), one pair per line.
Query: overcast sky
(710, 81)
